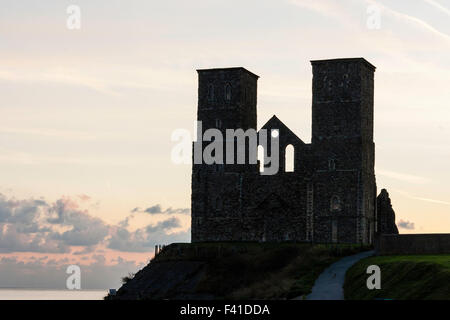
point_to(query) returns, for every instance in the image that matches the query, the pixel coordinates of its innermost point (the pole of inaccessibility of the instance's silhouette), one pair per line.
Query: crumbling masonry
(329, 197)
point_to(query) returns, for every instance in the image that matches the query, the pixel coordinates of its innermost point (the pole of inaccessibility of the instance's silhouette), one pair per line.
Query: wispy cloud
(438, 6)
(106, 79)
(157, 209)
(410, 19)
(8, 156)
(339, 12)
(432, 200)
(49, 132)
(66, 77)
(402, 176)
(328, 8)
(421, 198)
(333, 9)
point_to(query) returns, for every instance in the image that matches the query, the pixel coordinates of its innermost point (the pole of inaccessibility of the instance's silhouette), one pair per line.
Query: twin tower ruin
(330, 196)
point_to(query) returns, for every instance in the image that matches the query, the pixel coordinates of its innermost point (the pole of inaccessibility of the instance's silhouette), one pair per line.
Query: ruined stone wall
(276, 207)
(250, 207)
(385, 213)
(386, 244)
(330, 196)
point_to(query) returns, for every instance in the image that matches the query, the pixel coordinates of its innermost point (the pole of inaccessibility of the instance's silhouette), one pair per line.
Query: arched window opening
(210, 93)
(335, 203)
(228, 92)
(261, 158)
(289, 158)
(345, 80)
(331, 164)
(330, 85)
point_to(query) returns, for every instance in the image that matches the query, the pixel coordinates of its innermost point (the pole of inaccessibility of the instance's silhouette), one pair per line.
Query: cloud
(432, 200)
(178, 210)
(157, 209)
(135, 210)
(84, 197)
(411, 20)
(32, 225)
(13, 240)
(144, 239)
(402, 176)
(62, 227)
(438, 6)
(49, 132)
(110, 80)
(326, 8)
(164, 225)
(341, 12)
(154, 209)
(42, 273)
(22, 228)
(85, 250)
(85, 229)
(21, 212)
(406, 225)
(421, 198)
(126, 222)
(70, 77)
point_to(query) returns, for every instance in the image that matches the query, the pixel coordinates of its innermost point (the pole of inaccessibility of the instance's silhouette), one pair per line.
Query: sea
(51, 294)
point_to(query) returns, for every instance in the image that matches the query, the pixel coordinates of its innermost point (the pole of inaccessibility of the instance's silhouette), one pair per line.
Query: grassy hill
(409, 277)
(233, 271)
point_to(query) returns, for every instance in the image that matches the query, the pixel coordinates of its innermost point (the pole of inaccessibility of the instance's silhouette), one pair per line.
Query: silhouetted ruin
(329, 196)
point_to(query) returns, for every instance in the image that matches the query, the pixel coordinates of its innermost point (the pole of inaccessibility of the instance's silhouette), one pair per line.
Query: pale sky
(87, 115)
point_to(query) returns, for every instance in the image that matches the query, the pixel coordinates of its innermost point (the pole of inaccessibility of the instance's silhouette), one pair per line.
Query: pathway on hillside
(329, 285)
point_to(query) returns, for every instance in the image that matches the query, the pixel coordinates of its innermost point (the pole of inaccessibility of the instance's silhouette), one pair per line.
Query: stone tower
(342, 139)
(226, 100)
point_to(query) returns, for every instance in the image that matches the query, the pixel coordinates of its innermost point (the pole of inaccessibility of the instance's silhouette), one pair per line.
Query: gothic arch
(261, 158)
(289, 152)
(335, 203)
(228, 92)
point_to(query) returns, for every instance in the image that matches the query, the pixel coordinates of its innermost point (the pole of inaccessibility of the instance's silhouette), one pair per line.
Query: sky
(86, 115)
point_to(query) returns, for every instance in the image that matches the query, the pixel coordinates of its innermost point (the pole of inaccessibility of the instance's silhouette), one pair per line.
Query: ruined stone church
(330, 194)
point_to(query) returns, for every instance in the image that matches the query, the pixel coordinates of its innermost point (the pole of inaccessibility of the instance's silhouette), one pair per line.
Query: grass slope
(255, 270)
(409, 277)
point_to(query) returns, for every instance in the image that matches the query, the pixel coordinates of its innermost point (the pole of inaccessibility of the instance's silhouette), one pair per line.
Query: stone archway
(274, 213)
